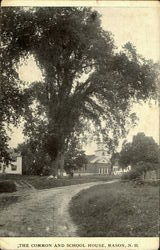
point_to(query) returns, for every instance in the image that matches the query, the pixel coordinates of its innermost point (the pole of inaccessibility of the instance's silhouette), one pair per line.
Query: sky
(140, 26)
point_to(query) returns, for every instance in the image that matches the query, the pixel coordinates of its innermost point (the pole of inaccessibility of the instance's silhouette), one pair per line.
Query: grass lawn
(117, 210)
(7, 200)
(41, 182)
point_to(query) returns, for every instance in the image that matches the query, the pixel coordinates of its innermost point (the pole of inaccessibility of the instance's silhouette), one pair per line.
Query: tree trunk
(61, 164)
(54, 167)
(4, 168)
(144, 175)
(57, 165)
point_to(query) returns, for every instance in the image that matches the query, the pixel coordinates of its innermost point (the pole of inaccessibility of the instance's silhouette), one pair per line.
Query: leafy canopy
(35, 160)
(84, 79)
(75, 157)
(142, 149)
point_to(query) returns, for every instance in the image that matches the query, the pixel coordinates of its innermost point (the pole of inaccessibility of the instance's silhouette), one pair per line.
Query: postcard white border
(13, 243)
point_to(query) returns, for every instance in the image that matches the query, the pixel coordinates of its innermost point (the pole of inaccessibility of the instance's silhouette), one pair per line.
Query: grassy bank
(8, 200)
(117, 210)
(41, 182)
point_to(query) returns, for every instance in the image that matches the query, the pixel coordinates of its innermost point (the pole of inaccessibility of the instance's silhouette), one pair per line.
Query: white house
(14, 166)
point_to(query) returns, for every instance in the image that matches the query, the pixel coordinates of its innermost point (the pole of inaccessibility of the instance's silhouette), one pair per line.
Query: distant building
(14, 166)
(99, 163)
(116, 170)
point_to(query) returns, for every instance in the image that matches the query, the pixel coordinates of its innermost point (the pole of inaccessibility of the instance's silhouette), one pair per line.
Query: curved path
(42, 213)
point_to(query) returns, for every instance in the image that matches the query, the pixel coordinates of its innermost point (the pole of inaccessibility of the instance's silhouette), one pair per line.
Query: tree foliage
(75, 157)
(142, 153)
(114, 159)
(34, 160)
(84, 79)
(12, 98)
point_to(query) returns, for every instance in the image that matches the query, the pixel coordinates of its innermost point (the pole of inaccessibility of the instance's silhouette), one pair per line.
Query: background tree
(11, 100)
(4, 156)
(142, 154)
(83, 78)
(75, 157)
(114, 159)
(34, 160)
(125, 156)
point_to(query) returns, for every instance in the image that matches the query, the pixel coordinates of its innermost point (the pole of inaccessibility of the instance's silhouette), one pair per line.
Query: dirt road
(42, 213)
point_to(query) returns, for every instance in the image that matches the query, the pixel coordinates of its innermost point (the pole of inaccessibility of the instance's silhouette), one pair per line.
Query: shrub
(7, 186)
(131, 175)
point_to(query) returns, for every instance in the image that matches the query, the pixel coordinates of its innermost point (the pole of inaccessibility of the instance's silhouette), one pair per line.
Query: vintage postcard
(79, 131)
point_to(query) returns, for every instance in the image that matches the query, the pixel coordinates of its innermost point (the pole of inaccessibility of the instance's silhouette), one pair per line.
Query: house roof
(12, 153)
(101, 160)
(16, 154)
(90, 157)
(97, 159)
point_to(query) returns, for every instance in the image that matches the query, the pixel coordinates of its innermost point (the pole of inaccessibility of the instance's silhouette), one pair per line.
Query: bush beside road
(7, 186)
(42, 182)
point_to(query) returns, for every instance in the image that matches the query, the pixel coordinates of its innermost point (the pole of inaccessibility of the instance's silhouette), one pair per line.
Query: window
(13, 167)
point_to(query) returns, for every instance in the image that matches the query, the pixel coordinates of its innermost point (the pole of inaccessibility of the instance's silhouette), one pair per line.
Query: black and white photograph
(79, 124)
